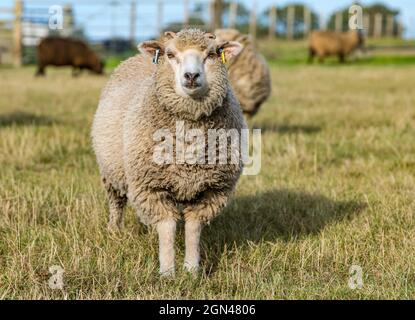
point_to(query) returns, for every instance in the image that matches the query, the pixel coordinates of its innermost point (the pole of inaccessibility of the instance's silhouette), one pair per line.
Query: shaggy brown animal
(189, 88)
(329, 43)
(249, 73)
(57, 51)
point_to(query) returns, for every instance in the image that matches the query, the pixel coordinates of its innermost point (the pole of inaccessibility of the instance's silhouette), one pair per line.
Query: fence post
(290, 22)
(114, 17)
(390, 25)
(307, 21)
(233, 13)
(252, 24)
(216, 7)
(399, 29)
(68, 20)
(366, 24)
(322, 23)
(272, 22)
(186, 18)
(339, 22)
(17, 33)
(133, 11)
(160, 17)
(377, 33)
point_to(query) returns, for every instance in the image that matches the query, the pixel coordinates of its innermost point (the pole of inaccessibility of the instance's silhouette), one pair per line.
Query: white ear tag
(156, 57)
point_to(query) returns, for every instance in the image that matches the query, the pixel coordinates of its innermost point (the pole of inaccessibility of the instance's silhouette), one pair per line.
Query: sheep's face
(194, 57)
(189, 67)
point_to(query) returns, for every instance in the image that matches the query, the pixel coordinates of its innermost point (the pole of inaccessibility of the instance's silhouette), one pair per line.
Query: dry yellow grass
(336, 189)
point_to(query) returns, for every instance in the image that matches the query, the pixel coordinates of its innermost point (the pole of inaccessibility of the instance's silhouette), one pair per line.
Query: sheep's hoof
(167, 273)
(113, 228)
(191, 268)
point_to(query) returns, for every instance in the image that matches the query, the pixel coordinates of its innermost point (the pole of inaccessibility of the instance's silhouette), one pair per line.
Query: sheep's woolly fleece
(324, 43)
(248, 72)
(191, 38)
(138, 100)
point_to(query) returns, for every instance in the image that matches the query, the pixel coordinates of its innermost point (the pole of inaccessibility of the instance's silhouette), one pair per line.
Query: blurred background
(336, 187)
(113, 28)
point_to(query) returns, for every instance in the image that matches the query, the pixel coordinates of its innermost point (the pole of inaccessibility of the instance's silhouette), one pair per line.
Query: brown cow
(330, 43)
(57, 51)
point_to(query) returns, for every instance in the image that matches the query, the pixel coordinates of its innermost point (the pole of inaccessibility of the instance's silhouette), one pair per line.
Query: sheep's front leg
(158, 209)
(193, 229)
(195, 215)
(166, 231)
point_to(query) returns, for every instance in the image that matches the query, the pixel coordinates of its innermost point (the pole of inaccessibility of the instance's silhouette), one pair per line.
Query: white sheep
(187, 85)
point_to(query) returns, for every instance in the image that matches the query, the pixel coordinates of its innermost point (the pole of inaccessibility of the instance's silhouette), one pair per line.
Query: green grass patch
(336, 189)
(383, 60)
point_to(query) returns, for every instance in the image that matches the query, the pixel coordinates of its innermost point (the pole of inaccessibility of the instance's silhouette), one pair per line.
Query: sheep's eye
(170, 55)
(212, 55)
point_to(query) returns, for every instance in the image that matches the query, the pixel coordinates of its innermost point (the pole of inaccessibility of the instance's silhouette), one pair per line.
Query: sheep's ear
(150, 48)
(245, 38)
(169, 35)
(231, 49)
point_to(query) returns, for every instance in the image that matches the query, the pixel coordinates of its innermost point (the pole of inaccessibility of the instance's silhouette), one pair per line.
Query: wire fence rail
(123, 23)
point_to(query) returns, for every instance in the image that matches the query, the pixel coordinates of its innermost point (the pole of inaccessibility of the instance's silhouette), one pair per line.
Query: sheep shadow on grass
(21, 118)
(288, 129)
(277, 214)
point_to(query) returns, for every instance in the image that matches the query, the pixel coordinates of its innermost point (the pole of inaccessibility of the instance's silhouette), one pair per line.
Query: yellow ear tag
(222, 54)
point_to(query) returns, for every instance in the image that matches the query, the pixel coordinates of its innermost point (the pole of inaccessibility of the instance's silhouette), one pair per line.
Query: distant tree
(281, 27)
(177, 26)
(217, 14)
(198, 17)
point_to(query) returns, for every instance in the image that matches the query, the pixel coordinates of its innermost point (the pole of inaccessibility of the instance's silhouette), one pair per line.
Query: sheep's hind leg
(117, 203)
(193, 229)
(40, 71)
(311, 55)
(166, 230)
(76, 71)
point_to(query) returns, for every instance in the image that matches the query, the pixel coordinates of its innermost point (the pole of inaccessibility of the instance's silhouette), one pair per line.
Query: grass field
(383, 52)
(336, 189)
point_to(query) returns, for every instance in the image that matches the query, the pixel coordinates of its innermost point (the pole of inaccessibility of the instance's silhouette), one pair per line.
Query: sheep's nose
(191, 77)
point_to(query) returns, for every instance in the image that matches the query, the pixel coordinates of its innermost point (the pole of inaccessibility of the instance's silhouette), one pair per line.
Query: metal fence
(117, 25)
